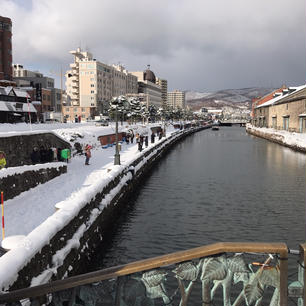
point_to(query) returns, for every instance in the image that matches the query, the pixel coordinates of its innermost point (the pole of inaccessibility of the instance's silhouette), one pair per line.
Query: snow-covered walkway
(28, 210)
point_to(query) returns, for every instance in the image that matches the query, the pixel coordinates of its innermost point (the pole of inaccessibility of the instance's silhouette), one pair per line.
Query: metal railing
(217, 274)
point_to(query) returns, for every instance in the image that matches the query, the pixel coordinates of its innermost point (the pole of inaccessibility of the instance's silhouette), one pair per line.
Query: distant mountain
(236, 98)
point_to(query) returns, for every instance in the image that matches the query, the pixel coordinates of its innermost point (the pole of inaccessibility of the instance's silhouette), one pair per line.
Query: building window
(287, 106)
(83, 109)
(92, 91)
(92, 85)
(75, 109)
(67, 109)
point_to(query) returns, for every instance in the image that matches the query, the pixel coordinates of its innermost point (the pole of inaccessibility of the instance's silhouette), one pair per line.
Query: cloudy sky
(201, 45)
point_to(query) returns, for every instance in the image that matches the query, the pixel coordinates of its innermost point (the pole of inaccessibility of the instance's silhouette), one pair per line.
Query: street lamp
(117, 154)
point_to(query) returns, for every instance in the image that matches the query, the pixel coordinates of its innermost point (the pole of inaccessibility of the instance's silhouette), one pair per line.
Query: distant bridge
(241, 122)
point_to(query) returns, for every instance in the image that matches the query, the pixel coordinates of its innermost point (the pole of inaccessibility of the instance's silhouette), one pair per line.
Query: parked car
(101, 123)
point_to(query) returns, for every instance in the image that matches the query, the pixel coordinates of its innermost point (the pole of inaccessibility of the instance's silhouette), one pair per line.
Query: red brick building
(260, 100)
(6, 72)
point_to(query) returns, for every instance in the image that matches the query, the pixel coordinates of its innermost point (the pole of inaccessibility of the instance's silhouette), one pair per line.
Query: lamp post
(117, 154)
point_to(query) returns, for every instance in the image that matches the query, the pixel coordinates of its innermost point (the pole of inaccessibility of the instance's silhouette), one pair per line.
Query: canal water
(214, 186)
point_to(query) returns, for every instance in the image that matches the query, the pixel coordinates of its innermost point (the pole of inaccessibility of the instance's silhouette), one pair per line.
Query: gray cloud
(195, 44)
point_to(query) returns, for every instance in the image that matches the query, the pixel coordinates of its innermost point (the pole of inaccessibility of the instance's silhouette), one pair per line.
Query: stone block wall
(16, 183)
(18, 149)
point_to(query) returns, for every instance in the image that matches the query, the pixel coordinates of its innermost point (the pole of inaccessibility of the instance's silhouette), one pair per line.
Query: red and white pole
(2, 209)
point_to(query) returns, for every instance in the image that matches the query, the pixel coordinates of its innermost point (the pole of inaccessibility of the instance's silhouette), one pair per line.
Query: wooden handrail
(156, 262)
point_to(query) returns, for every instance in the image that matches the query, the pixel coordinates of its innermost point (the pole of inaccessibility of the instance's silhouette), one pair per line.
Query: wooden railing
(211, 266)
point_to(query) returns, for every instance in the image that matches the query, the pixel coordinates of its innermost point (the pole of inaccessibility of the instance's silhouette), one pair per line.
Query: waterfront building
(176, 99)
(286, 111)
(260, 100)
(148, 91)
(90, 85)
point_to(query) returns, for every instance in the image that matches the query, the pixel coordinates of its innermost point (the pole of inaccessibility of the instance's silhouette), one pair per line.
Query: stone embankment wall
(18, 148)
(13, 183)
(59, 257)
(277, 138)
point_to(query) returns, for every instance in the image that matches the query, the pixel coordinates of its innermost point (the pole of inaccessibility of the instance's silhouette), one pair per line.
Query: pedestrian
(35, 156)
(43, 154)
(152, 137)
(146, 141)
(127, 139)
(2, 160)
(137, 138)
(160, 135)
(132, 137)
(140, 142)
(87, 154)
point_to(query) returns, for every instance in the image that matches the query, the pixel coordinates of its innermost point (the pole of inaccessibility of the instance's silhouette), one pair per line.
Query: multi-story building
(148, 91)
(91, 84)
(5, 49)
(44, 92)
(176, 99)
(163, 84)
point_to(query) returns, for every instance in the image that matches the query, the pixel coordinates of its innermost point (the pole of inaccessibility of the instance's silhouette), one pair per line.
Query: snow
(41, 212)
(291, 139)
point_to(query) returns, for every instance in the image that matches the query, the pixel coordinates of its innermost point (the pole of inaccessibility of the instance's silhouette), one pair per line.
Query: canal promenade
(33, 215)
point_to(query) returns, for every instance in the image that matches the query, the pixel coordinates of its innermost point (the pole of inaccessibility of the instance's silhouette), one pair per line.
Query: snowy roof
(21, 93)
(6, 106)
(285, 93)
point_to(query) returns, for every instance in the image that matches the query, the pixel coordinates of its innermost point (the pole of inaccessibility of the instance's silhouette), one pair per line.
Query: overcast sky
(201, 45)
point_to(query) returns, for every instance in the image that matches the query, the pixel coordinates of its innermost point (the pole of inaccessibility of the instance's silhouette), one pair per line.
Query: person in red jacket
(87, 154)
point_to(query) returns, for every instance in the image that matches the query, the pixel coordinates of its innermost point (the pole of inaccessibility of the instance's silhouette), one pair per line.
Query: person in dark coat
(43, 154)
(146, 141)
(152, 137)
(35, 156)
(140, 143)
(59, 155)
(132, 137)
(127, 139)
(160, 135)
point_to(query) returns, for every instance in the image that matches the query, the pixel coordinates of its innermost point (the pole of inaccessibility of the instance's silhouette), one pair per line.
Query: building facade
(163, 84)
(176, 99)
(6, 56)
(45, 93)
(286, 111)
(148, 91)
(90, 85)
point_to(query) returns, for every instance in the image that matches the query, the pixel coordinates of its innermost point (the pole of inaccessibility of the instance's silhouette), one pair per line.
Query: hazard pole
(2, 209)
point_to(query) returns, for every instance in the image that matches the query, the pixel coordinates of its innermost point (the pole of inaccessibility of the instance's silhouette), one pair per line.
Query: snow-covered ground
(31, 208)
(32, 216)
(291, 139)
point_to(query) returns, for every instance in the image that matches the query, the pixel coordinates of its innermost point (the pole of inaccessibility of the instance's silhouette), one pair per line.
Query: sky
(196, 45)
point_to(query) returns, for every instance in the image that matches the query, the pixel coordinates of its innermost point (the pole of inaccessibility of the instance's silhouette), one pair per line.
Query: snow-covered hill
(228, 97)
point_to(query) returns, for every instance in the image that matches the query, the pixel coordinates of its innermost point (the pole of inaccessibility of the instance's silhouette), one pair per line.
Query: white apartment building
(176, 99)
(90, 85)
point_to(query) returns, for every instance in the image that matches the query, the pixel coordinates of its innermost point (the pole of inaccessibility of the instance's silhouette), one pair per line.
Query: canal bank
(72, 230)
(294, 141)
(215, 186)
